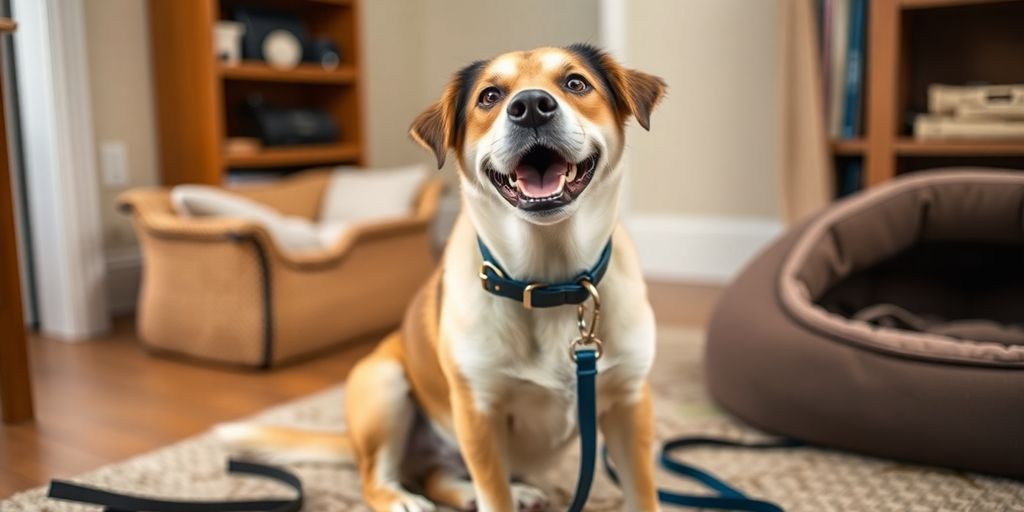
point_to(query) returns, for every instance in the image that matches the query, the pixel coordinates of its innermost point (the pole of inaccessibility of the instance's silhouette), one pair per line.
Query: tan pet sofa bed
(892, 324)
(220, 289)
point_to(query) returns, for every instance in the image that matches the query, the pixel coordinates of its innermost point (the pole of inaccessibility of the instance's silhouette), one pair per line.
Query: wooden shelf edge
(928, 4)
(848, 147)
(295, 156)
(914, 147)
(304, 73)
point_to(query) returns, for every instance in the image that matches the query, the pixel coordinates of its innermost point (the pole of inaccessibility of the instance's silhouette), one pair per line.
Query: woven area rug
(801, 479)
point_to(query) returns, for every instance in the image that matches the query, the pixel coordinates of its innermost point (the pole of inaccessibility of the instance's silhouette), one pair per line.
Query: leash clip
(588, 330)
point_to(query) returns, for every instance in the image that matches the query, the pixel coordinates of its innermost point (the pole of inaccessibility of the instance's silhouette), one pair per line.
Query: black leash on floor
(116, 502)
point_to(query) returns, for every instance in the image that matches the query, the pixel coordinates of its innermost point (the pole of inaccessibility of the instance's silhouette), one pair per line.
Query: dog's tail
(285, 445)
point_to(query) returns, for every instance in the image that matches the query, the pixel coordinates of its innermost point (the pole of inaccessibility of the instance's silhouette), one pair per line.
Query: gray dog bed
(892, 324)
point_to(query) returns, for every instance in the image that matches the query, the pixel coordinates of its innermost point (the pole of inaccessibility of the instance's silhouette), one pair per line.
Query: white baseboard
(124, 273)
(699, 248)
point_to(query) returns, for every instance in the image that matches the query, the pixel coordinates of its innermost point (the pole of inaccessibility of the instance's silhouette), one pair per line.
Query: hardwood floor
(105, 400)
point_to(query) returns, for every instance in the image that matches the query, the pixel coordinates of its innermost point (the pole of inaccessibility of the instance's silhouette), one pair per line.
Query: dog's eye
(489, 96)
(577, 84)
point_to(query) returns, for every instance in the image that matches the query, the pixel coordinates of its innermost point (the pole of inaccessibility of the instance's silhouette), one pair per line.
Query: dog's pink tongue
(534, 184)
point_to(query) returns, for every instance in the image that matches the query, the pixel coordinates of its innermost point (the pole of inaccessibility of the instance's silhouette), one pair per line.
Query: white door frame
(60, 163)
(614, 28)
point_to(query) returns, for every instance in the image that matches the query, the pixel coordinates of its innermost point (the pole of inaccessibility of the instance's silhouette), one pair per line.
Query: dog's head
(536, 130)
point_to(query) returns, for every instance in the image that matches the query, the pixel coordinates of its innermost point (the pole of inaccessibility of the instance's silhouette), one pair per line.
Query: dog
(475, 390)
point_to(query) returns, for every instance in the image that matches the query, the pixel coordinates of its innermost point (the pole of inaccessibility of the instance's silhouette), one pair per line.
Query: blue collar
(540, 295)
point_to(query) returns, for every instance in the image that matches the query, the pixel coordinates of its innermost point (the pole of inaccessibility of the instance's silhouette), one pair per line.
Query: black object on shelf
(261, 23)
(291, 126)
(325, 52)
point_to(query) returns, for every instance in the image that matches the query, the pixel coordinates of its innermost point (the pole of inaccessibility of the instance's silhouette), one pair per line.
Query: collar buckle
(528, 294)
(486, 265)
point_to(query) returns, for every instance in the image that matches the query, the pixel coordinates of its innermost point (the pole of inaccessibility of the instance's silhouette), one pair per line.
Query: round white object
(281, 49)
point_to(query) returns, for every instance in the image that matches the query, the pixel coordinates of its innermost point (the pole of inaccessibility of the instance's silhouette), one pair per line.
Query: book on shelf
(997, 111)
(972, 112)
(853, 87)
(838, 43)
(933, 127)
(850, 176)
(842, 31)
(948, 99)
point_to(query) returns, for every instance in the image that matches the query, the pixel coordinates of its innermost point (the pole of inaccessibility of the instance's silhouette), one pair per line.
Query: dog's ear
(439, 127)
(634, 92)
(638, 92)
(434, 127)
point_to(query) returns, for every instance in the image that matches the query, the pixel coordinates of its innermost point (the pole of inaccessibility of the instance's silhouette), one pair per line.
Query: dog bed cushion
(357, 195)
(291, 234)
(890, 324)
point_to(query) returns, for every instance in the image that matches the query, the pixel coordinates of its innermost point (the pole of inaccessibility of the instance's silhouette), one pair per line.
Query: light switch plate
(114, 163)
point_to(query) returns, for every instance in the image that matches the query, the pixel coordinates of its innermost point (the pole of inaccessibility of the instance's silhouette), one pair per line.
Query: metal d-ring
(583, 344)
(588, 331)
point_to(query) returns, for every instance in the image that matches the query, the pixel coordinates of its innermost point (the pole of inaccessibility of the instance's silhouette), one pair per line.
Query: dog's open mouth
(544, 179)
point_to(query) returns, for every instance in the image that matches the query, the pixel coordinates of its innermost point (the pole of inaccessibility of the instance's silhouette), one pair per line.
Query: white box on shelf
(228, 41)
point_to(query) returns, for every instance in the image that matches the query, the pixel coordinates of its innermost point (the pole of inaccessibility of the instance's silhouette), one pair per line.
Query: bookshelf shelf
(912, 147)
(848, 147)
(290, 156)
(928, 4)
(304, 73)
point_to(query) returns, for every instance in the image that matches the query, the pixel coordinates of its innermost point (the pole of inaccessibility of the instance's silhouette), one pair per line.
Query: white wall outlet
(114, 163)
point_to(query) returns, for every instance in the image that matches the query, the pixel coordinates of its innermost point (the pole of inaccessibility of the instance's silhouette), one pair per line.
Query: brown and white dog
(475, 391)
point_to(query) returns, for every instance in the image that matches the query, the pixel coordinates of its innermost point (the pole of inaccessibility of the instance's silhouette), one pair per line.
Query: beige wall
(393, 63)
(121, 87)
(713, 146)
(413, 47)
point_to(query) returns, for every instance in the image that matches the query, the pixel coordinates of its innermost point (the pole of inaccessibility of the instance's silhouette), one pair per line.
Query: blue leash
(586, 397)
(727, 498)
(585, 351)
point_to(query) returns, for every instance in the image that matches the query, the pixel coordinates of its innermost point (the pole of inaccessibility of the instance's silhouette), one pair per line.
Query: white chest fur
(516, 361)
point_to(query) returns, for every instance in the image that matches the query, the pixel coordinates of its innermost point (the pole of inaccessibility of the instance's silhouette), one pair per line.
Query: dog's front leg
(628, 429)
(481, 435)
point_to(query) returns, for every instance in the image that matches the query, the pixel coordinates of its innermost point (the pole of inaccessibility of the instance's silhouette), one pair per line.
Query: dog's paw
(408, 502)
(529, 498)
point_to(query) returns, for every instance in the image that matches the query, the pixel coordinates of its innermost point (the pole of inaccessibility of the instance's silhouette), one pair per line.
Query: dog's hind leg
(380, 413)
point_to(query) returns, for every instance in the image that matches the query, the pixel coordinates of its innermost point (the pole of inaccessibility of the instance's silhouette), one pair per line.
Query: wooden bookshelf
(913, 147)
(928, 4)
(292, 156)
(201, 102)
(848, 147)
(913, 43)
(303, 74)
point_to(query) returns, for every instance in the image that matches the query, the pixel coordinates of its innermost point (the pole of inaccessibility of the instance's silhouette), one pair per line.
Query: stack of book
(843, 31)
(972, 112)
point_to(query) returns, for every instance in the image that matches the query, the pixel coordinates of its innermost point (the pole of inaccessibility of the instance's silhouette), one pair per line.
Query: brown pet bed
(892, 324)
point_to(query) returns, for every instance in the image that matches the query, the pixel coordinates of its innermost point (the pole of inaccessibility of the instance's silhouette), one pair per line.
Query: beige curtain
(806, 167)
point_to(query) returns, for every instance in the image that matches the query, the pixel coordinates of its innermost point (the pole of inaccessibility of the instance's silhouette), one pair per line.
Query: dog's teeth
(572, 173)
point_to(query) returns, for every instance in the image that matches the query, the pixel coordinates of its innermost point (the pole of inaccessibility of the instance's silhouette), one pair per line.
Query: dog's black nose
(532, 108)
